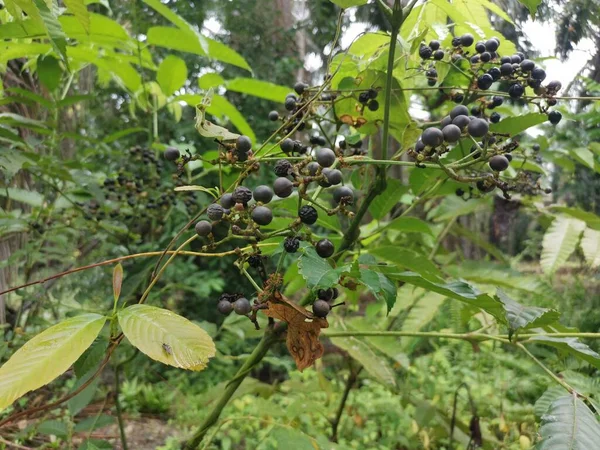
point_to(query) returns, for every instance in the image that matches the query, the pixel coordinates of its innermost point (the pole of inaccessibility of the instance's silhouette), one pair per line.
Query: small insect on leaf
(117, 281)
(167, 348)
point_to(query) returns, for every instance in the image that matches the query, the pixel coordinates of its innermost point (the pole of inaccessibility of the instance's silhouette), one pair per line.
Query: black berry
(495, 117)
(273, 116)
(308, 214)
(373, 105)
(485, 81)
(262, 215)
(343, 193)
(499, 163)
(224, 307)
(554, 117)
(291, 244)
(263, 194)
(242, 306)
(321, 308)
(324, 248)
(215, 212)
(287, 145)
(299, 87)
(433, 137)
(333, 176)
(425, 52)
(451, 133)
(243, 144)
(283, 187)
(242, 195)
(203, 228)
(325, 157)
(283, 168)
(516, 90)
(466, 40)
(171, 154)
(478, 128)
(227, 201)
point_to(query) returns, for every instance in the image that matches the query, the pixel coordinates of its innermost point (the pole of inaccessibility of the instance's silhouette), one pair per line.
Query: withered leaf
(303, 330)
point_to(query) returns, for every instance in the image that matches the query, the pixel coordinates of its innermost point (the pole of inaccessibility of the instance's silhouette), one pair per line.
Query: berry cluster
(513, 74)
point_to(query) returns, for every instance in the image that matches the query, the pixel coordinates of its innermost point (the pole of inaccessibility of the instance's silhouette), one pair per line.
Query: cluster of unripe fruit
(487, 66)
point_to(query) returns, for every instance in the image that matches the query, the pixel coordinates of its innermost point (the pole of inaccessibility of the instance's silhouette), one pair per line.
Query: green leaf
(85, 397)
(176, 39)
(172, 74)
(559, 242)
(584, 157)
(316, 270)
(95, 444)
(518, 124)
(93, 423)
(79, 10)
(410, 225)
(521, 317)
(291, 438)
(221, 107)
(590, 244)
(23, 196)
(531, 5)
(543, 403)
(91, 358)
(569, 424)
(408, 259)
(457, 290)
(123, 133)
(22, 29)
(54, 29)
(421, 313)
(47, 356)
(349, 3)
(571, 346)
(167, 337)
(210, 80)
(11, 161)
(590, 219)
(374, 364)
(383, 204)
(53, 428)
(49, 72)
(258, 88)
(379, 285)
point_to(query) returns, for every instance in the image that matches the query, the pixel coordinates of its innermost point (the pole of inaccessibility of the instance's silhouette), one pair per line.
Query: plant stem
(338, 415)
(552, 375)
(388, 93)
(118, 408)
(257, 355)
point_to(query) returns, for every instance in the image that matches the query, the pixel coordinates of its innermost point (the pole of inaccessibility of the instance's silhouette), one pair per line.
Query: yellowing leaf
(47, 356)
(167, 337)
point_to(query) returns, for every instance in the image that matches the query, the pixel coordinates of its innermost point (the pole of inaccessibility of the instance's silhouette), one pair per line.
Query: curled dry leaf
(303, 330)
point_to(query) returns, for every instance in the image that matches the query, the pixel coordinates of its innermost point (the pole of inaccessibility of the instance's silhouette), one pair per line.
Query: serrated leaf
(520, 317)
(167, 337)
(408, 259)
(259, 88)
(457, 290)
(316, 270)
(374, 364)
(379, 285)
(53, 28)
(590, 219)
(570, 345)
(569, 424)
(172, 74)
(590, 244)
(548, 397)
(518, 124)
(79, 10)
(560, 241)
(47, 356)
